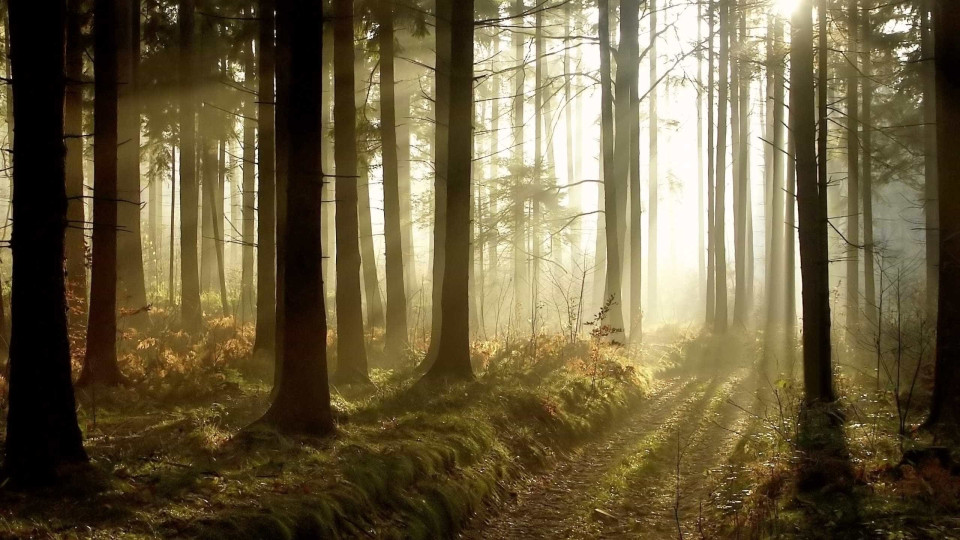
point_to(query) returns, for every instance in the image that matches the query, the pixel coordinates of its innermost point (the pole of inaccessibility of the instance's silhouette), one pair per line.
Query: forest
(479, 269)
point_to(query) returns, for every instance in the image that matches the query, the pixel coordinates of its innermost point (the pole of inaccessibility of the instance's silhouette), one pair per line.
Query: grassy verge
(172, 460)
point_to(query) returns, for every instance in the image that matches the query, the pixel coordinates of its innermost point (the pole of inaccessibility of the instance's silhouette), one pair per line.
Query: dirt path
(626, 484)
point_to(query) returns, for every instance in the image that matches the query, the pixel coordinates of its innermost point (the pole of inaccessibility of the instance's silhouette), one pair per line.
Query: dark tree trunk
(302, 401)
(945, 410)
(266, 188)
(816, 316)
(853, 171)
(720, 316)
(100, 363)
(76, 251)
(351, 349)
(701, 189)
(929, 154)
(611, 190)
(247, 189)
(440, 148)
(453, 358)
(189, 191)
(43, 438)
(131, 289)
(395, 340)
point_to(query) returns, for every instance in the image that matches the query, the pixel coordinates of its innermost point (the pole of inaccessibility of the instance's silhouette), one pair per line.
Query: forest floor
(689, 437)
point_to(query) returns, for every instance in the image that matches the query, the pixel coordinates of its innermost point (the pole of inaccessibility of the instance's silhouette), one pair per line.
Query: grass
(173, 454)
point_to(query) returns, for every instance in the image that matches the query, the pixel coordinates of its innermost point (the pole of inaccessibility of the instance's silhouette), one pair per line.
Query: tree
(719, 248)
(853, 170)
(395, 340)
(944, 417)
(189, 266)
(248, 189)
(302, 401)
(131, 290)
(43, 438)
(266, 188)
(100, 361)
(611, 191)
(351, 350)
(817, 375)
(453, 358)
(928, 73)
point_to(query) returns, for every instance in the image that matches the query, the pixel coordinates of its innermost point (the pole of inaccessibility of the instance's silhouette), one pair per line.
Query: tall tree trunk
(131, 292)
(329, 169)
(351, 349)
(701, 190)
(739, 213)
(930, 187)
(214, 191)
(173, 222)
(853, 171)
(817, 376)
(368, 257)
(100, 362)
(636, 214)
(247, 189)
(779, 234)
(790, 238)
(711, 312)
(190, 310)
(453, 360)
(536, 225)
(945, 409)
(521, 280)
(720, 317)
(43, 437)
(395, 340)
(302, 400)
(76, 252)
(266, 186)
(746, 190)
(440, 169)
(869, 286)
(611, 190)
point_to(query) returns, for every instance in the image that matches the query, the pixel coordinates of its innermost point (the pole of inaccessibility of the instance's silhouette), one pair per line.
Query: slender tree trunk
(453, 360)
(746, 190)
(720, 318)
(264, 346)
(521, 281)
(613, 287)
(302, 400)
(43, 438)
(711, 313)
(736, 142)
(216, 222)
(636, 214)
(930, 187)
(790, 240)
(351, 349)
(100, 362)
(247, 189)
(779, 233)
(395, 340)
(368, 257)
(536, 237)
(853, 171)
(173, 222)
(869, 286)
(701, 190)
(190, 310)
(76, 252)
(132, 295)
(817, 376)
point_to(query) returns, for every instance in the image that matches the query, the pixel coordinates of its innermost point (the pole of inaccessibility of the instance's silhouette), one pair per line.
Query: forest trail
(626, 483)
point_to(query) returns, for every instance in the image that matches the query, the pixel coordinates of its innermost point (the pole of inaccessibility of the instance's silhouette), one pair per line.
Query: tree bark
(869, 286)
(711, 311)
(248, 191)
(190, 310)
(43, 439)
(302, 401)
(395, 340)
(817, 376)
(930, 187)
(351, 349)
(720, 317)
(453, 359)
(100, 362)
(853, 171)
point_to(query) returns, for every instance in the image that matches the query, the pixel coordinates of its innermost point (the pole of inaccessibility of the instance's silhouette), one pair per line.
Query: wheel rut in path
(624, 484)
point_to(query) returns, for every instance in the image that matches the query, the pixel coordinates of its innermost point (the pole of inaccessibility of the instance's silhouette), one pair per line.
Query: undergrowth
(175, 457)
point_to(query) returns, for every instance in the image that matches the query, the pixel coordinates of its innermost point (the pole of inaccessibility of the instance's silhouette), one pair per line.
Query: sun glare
(785, 7)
